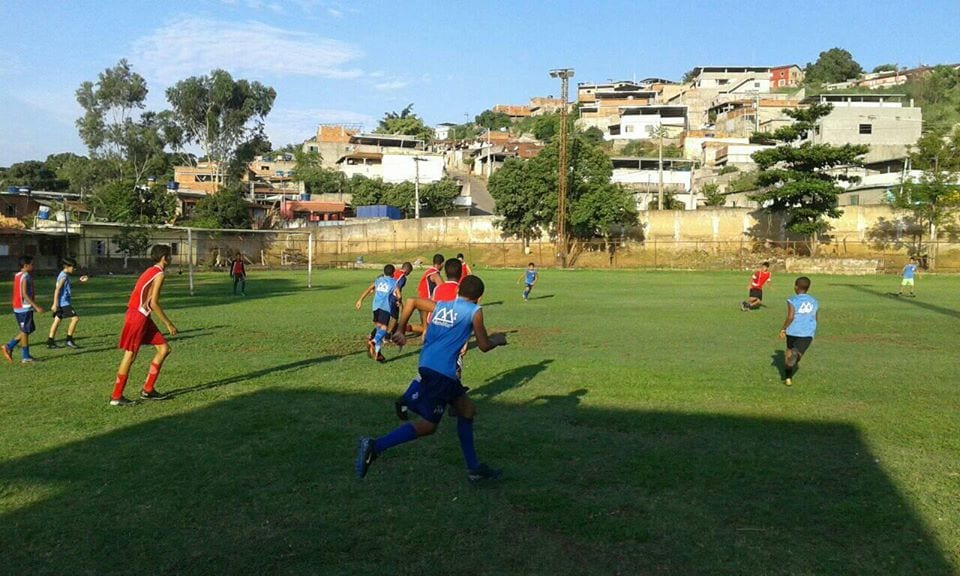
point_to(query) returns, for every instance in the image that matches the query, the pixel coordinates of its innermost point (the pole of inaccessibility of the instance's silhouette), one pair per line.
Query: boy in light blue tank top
(451, 324)
(908, 276)
(800, 326)
(385, 294)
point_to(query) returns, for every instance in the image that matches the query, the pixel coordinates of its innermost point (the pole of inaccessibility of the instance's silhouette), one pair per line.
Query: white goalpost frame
(191, 255)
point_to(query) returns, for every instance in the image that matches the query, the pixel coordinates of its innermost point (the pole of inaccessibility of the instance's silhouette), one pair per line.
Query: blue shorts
(429, 394)
(25, 321)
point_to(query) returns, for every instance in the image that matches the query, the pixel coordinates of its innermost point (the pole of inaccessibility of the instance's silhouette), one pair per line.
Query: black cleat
(483, 474)
(152, 395)
(365, 457)
(401, 410)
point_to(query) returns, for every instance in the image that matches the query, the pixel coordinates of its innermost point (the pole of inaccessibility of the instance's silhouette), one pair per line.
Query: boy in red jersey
(425, 288)
(139, 329)
(463, 263)
(23, 309)
(447, 291)
(755, 298)
(238, 271)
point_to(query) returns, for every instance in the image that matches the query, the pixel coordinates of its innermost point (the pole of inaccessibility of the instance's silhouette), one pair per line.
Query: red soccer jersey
(424, 287)
(238, 268)
(140, 297)
(466, 271)
(759, 278)
(21, 286)
(446, 292)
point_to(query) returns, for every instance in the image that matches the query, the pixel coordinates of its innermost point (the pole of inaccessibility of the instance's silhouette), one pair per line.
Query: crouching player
(451, 324)
(803, 312)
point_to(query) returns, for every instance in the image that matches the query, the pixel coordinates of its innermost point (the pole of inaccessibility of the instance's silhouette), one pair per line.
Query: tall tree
(834, 65)
(221, 115)
(493, 120)
(799, 181)
(934, 200)
(406, 123)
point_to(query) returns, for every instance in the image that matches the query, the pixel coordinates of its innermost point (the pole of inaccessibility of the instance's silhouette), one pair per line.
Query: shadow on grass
(905, 300)
(181, 335)
(779, 361)
(510, 379)
(263, 484)
(544, 297)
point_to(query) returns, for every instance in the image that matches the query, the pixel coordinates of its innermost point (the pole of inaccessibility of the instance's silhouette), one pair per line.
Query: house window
(265, 168)
(174, 248)
(866, 128)
(854, 200)
(98, 247)
(781, 82)
(628, 128)
(756, 84)
(10, 210)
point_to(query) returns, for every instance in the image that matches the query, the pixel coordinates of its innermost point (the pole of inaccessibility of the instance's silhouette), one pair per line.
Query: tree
(317, 179)
(223, 209)
(33, 174)
(111, 127)
(124, 202)
(834, 65)
(221, 115)
(366, 191)
(690, 75)
(798, 182)
(493, 120)
(934, 199)
(884, 68)
(714, 198)
(438, 197)
(405, 122)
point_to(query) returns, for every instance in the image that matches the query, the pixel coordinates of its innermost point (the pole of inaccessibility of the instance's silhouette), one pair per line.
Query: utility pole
(565, 74)
(416, 185)
(660, 168)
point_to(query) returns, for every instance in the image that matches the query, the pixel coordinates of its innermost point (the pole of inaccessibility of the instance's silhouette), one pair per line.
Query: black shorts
(395, 311)
(799, 343)
(381, 317)
(65, 312)
(756, 293)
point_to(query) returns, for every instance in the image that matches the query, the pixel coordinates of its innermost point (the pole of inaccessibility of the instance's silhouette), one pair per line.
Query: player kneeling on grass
(755, 297)
(63, 305)
(139, 329)
(451, 324)
(799, 328)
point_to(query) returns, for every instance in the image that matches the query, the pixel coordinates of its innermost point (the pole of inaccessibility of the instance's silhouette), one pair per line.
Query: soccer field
(639, 417)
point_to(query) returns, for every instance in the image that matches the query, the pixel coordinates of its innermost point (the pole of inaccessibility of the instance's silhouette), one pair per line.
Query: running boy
(23, 309)
(907, 276)
(63, 305)
(530, 277)
(453, 270)
(803, 312)
(451, 325)
(385, 293)
(755, 298)
(463, 263)
(139, 329)
(401, 277)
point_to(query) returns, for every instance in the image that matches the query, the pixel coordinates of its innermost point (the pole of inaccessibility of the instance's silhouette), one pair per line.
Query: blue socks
(465, 433)
(13, 343)
(26, 352)
(378, 338)
(402, 434)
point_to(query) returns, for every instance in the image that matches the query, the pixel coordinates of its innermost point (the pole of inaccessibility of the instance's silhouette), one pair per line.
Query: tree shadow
(510, 379)
(911, 301)
(263, 484)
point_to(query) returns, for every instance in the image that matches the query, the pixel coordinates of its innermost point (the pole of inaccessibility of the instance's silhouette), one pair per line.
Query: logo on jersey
(383, 287)
(445, 317)
(805, 308)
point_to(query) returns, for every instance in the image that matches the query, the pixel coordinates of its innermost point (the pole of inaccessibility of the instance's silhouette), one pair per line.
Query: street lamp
(564, 74)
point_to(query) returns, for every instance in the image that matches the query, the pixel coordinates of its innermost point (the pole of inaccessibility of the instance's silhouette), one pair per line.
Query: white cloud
(190, 46)
(391, 85)
(294, 125)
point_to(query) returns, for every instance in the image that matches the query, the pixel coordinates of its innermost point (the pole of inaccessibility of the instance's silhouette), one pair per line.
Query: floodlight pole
(564, 74)
(416, 185)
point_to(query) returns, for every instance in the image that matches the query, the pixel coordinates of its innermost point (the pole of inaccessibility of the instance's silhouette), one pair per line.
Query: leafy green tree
(133, 241)
(711, 192)
(35, 175)
(797, 181)
(226, 208)
(521, 199)
(438, 197)
(493, 120)
(834, 65)
(317, 179)
(366, 191)
(884, 68)
(934, 200)
(689, 76)
(223, 116)
(464, 132)
(125, 202)
(404, 122)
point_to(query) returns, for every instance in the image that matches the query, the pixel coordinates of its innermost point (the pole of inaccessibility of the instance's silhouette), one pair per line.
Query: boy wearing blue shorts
(385, 293)
(451, 324)
(530, 277)
(63, 305)
(23, 309)
(803, 313)
(908, 276)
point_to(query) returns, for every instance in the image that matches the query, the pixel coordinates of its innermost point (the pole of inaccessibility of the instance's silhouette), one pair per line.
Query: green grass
(639, 417)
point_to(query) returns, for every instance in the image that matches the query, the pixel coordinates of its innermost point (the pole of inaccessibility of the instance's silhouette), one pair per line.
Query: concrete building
(331, 142)
(642, 175)
(788, 76)
(601, 103)
(745, 115)
(733, 79)
(442, 131)
(640, 122)
(514, 112)
(881, 121)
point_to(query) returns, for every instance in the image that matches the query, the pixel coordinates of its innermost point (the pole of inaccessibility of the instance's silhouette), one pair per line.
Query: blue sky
(340, 61)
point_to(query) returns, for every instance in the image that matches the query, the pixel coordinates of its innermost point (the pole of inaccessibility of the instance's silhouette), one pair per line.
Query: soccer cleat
(401, 410)
(366, 454)
(380, 358)
(28, 360)
(70, 344)
(788, 381)
(6, 354)
(52, 344)
(371, 349)
(482, 474)
(121, 401)
(152, 395)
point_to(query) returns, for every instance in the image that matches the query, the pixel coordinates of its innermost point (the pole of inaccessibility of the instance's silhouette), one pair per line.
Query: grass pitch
(639, 416)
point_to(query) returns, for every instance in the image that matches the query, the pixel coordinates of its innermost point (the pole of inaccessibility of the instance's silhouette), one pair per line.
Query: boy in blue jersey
(451, 324)
(385, 293)
(530, 277)
(63, 305)
(907, 277)
(803, 312)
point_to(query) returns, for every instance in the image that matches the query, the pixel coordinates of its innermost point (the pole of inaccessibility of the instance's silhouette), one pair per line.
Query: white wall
(628, 176)
(402, 168)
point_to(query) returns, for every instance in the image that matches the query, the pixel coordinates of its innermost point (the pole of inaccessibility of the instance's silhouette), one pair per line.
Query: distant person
(438, 384)
(529, 277)
(428, 283)
(139, 329)
(908, 277)
(63, 305)
(385, 293)
(23, 308)
(400, 276)
(755, 295)
(466, 267)
(803, 313)
(238, 271)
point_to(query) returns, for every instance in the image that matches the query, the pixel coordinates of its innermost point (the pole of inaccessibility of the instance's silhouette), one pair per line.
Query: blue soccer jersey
(804, 323)
(909, 271)
(531, 277)
(451, 324)
(383, 293)
(66, 292)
